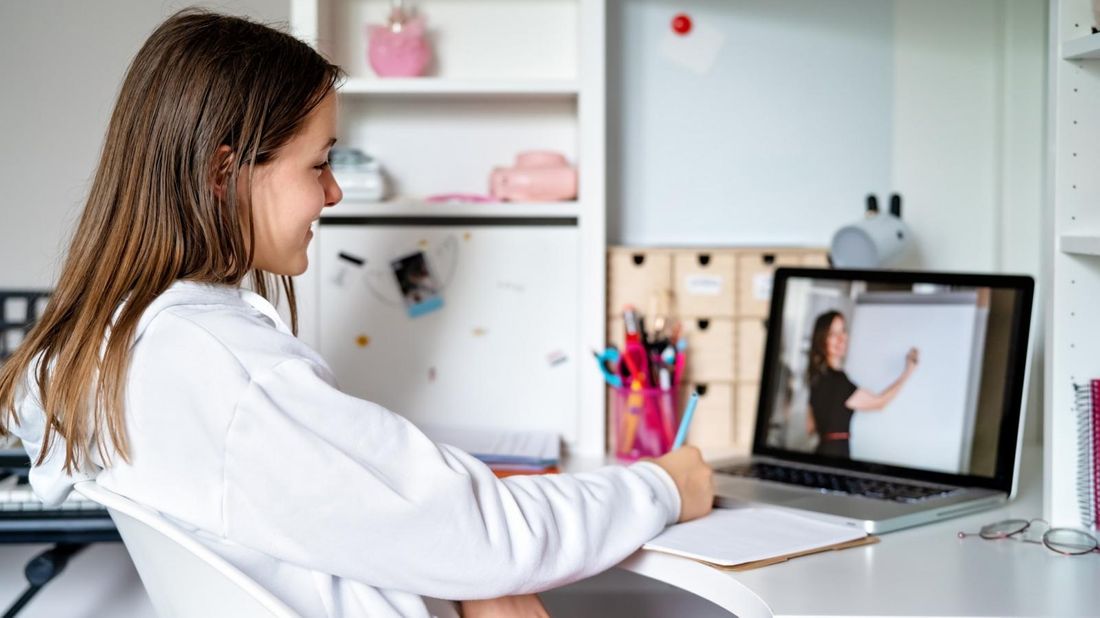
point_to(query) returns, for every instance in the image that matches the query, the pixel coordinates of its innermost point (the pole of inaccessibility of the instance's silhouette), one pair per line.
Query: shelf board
(418, 208)
(1079, 244)
(434, 86)
(1083, 48)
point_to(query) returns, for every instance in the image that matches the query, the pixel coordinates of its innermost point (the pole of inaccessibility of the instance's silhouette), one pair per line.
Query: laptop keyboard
(840, 483)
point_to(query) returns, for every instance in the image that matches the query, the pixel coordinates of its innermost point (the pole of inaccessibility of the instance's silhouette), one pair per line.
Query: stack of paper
(754, 536)
(506, 452)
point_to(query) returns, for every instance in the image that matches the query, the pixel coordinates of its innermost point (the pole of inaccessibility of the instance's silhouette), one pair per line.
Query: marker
(685, 422)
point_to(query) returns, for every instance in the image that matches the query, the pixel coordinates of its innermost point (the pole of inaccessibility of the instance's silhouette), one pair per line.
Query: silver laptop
(888, 399)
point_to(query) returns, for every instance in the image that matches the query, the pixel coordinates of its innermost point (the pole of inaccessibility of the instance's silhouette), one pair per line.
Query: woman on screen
(833, 397)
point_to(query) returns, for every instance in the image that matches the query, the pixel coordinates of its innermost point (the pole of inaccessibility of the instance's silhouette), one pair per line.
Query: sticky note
(695, 51)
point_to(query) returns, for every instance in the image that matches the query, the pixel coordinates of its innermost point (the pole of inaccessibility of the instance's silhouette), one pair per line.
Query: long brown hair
(819, 360)
(201, 81)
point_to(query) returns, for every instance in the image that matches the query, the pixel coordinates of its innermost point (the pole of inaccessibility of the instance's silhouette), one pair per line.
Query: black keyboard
(21, 513)
(838, 483)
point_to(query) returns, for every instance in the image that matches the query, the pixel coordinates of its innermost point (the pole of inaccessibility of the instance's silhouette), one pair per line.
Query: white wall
(785, 135)
(809, 106)
(61, 64)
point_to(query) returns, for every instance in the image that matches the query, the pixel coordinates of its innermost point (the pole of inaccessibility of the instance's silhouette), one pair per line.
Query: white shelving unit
(1077, 244)
(1073, 262)
(502, 88)
(419, 208)
(1082, 48)
(507, 77)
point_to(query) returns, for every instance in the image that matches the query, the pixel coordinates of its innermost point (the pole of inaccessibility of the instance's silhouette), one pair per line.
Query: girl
(155, 373)
(833, 397)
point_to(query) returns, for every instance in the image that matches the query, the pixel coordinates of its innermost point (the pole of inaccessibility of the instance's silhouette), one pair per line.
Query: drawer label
(762, 286)
(704, 285)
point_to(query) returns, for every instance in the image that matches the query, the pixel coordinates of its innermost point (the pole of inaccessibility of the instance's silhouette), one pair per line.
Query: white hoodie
(239, 434)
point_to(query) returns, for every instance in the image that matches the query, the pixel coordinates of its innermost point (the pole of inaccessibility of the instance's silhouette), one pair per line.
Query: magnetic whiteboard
(930, 424)
(499, 353)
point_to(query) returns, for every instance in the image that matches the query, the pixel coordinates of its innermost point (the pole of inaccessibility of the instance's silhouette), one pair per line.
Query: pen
(681, 435)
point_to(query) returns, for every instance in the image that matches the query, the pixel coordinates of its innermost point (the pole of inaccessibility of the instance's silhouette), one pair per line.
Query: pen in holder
(643, 421)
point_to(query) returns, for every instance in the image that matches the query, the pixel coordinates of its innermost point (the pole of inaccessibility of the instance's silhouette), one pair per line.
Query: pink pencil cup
(643, 422)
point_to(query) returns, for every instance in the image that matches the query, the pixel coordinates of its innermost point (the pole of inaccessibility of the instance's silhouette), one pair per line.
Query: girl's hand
(694, 479)
(519, 606)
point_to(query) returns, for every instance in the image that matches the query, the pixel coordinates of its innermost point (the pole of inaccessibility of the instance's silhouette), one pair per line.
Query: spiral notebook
(1087, 402)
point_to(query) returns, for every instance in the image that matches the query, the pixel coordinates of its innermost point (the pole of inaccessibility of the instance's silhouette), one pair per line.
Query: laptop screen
(917, 374)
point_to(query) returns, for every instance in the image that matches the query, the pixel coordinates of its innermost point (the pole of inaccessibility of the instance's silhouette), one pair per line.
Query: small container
(360, 176)
(643, 422)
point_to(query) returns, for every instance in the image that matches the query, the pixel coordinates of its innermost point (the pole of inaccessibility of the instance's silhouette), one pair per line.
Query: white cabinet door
(501, 352)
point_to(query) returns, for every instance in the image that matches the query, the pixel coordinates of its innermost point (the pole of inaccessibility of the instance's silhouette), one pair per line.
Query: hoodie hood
(49, 480)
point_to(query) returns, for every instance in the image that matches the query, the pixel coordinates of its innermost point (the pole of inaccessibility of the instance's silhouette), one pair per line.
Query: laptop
(888, 399)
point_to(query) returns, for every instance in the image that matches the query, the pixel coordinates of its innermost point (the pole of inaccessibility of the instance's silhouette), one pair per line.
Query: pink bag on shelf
(537, 176)
(400, 49)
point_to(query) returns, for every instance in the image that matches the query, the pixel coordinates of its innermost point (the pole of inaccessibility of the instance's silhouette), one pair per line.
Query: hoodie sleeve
(337, 484)
(49, 479)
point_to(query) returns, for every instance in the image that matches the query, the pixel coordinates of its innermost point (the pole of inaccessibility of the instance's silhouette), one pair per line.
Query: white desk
(922, 571)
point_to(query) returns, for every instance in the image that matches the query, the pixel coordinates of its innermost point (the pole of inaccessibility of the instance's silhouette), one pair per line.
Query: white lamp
(873, 242)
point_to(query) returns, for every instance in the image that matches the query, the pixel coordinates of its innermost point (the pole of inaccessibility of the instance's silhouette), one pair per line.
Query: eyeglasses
(1065, 541)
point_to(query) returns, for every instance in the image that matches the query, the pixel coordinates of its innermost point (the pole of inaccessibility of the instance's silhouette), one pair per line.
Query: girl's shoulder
(216, 325)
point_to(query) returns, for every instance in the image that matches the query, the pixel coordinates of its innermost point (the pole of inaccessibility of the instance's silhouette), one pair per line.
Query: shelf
(1083, 48)
(421, 209)
(1079, 244)
(431, 86)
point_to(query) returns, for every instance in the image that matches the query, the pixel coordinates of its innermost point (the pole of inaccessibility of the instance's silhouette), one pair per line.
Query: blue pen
(685, 422)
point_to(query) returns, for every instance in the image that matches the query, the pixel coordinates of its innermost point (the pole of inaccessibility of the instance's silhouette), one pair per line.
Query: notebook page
(729, 537)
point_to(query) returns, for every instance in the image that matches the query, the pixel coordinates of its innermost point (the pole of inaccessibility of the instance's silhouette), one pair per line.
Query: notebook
(751, 537)
(507, 453)
(1087, 399)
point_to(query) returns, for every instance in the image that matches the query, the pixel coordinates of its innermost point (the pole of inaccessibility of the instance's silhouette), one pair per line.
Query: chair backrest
(183, 578)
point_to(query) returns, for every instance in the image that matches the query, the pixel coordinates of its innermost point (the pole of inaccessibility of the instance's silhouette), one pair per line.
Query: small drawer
(705, 283)
(710, 349)
(816, 259)
(754, 279)
(712, 424)
(639, 277)
(750, 338)
(745, 415)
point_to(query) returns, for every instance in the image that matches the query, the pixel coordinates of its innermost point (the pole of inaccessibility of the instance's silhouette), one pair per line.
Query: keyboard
(20, 510)
(839, 483)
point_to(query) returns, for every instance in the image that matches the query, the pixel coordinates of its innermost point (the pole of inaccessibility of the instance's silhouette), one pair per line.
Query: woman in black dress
(833, 397)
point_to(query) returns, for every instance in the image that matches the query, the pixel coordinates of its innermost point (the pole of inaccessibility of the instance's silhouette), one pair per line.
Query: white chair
(183, 578)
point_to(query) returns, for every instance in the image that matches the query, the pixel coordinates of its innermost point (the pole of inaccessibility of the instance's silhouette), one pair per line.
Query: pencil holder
(643, 422)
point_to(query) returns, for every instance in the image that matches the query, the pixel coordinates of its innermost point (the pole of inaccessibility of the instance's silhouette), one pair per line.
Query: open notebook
(751, 537)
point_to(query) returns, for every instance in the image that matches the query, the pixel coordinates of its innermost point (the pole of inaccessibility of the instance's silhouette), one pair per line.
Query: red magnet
(681, 24)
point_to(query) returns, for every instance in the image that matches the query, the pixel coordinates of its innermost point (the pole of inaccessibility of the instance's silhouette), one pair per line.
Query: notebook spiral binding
(1086, 487)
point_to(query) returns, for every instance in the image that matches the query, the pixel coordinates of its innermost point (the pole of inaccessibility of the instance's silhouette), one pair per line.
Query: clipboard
(741, 539)
(748, 566)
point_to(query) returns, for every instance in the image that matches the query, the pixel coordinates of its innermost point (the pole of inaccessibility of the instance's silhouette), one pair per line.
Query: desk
(922, 571)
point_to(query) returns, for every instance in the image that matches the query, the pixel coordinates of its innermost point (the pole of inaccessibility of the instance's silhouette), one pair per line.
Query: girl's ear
(221, 166)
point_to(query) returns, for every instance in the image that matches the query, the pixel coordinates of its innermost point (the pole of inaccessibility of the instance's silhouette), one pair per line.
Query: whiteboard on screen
(930, 424)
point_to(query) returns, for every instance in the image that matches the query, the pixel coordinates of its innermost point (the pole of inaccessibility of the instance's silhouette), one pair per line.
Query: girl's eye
(321, 166)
